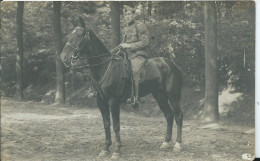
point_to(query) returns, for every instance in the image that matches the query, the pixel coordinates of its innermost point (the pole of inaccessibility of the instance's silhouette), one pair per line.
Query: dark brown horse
(112, 82)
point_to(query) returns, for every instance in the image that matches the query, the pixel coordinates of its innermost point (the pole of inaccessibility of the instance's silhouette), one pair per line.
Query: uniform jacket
(137, 35)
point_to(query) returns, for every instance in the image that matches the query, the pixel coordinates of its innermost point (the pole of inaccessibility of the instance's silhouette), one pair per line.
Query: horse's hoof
(165, 145)
(103, 153)
(177, 147)
(115, 156)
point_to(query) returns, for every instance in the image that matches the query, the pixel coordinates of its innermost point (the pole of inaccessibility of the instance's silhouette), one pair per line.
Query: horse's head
(82, 40)
(76, 43)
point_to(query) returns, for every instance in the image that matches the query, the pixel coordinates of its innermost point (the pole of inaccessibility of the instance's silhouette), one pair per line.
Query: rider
(135, 41)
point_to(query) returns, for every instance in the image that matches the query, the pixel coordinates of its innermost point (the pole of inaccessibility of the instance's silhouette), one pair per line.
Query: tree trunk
(143, 10)
(211, 112)
(19, 57)
(149, 11)
(115, 23)
(60, 92)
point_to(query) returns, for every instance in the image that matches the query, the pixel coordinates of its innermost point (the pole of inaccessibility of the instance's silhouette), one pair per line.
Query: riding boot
(130, 100)
(135, 104)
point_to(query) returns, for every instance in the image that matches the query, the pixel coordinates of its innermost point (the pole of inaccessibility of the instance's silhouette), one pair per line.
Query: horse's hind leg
(115, 111)
(104, 109)
(179, 121)
(162, 101)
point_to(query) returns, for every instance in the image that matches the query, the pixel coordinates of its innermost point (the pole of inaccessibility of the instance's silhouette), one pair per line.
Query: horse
(113, 82)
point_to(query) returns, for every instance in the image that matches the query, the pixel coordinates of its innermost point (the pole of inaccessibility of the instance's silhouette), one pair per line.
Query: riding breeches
(137, 63)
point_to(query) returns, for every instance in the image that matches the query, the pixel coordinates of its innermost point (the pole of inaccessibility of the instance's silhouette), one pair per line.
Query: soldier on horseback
(135, 41)
(160, 76)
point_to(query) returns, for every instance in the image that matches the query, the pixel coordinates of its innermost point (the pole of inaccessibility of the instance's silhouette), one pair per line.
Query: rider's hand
(125, 46)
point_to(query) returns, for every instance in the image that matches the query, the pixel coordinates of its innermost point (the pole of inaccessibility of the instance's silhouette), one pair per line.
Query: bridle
(79, 47)
(75, 55)
(76, 49)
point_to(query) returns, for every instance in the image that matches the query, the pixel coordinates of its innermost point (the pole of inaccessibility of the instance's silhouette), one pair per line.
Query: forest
(177, 32)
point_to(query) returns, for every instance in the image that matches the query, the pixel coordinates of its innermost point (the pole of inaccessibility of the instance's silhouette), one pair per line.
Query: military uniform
(137, 35)
(135, 41)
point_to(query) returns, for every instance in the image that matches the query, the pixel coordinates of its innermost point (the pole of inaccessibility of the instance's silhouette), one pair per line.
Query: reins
(91, 57)
(108, 56)
(93, 65)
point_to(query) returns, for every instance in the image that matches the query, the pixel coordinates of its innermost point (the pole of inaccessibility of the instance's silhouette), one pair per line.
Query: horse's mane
(97, 44)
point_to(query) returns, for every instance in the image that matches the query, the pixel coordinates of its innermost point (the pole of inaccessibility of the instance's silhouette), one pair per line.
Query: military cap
(128, 8)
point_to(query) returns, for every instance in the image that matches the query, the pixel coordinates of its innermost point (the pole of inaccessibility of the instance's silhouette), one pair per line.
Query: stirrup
(133, 101)
(135, 104)
(130, 100)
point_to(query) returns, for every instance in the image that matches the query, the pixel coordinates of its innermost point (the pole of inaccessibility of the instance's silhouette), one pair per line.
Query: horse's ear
(81, 22)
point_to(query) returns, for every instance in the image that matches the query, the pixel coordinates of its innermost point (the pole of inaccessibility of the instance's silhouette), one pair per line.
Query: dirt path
(34, 131)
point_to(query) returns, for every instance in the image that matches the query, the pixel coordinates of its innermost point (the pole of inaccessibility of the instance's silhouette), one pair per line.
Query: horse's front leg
(115, 111)
(104, 109)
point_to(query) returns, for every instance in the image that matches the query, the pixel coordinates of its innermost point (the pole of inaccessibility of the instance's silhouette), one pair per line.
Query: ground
(37, 131)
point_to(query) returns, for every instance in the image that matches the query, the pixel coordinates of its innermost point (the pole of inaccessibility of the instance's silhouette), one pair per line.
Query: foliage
(182, 39)
(169, 9)
(182, 33)
(177, 29)
(180, 36)
(8, 27)
(236, 46)
(242, 111)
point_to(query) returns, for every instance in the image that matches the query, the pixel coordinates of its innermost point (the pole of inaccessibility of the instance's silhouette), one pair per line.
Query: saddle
(149, 71)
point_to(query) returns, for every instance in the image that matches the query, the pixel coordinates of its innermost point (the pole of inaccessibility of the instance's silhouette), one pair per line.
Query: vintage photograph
(128, 80)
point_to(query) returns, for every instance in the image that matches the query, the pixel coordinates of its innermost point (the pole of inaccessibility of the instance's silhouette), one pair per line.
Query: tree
(115, 23)
(149, 10)
(60, 92)
(211, 112)
(19, 57)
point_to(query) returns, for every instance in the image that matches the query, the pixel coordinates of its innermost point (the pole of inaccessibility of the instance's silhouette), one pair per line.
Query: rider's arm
(143, 34)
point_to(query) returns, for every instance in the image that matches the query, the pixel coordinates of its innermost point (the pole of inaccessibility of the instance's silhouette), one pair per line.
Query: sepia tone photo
(128, 80)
